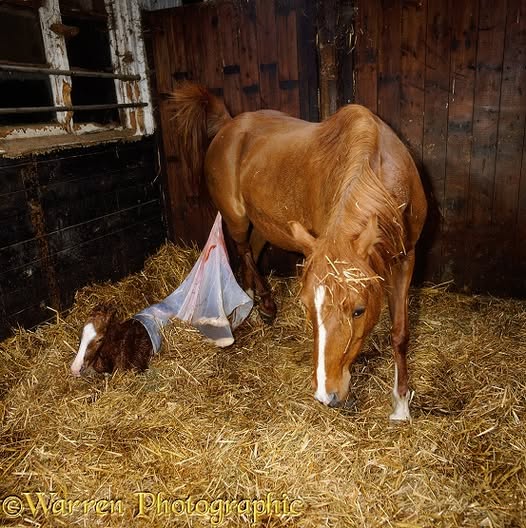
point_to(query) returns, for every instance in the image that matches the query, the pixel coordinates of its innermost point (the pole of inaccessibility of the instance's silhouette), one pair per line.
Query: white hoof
(401, 408)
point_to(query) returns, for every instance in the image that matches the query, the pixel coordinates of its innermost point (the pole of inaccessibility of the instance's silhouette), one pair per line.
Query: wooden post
(334, 23)
(327, 22)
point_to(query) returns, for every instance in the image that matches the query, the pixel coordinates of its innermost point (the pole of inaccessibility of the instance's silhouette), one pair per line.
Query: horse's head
(93, 334)
(343, 297)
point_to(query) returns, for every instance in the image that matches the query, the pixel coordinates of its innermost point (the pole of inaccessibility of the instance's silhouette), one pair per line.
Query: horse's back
(275, 168)
(254, 125)
(259, 146)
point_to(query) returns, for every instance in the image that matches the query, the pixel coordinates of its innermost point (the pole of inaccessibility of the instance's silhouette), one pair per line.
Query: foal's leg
(398, 290)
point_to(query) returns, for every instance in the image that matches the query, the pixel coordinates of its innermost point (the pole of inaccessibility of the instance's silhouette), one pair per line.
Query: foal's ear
(302, 237)
(366, 240)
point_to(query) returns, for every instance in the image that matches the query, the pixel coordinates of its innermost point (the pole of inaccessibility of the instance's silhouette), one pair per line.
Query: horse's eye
(358, 311)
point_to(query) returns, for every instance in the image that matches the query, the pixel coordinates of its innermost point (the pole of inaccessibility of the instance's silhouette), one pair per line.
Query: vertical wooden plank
(212, 68)
(435, 131)
(389, 63)
(268, 53)
(161, 42)
(366, 53)
(4, 327)
(327, 22)
(519, 272)
(248, 57)
(229, 28)
(490, 49)
(413, 42)
(460, 126)
(193, 35)
(509, 209)
(159, 28)
(344, 53)
(512, 117)
(308, 71)
(288, 60)
(175, 51)
(177, 46)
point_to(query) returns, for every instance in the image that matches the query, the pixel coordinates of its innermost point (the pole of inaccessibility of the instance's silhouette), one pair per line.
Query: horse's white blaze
(88, 334)
(401, 403)
(321, 374)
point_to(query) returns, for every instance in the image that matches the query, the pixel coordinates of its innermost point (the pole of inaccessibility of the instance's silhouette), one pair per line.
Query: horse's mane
(350, 156)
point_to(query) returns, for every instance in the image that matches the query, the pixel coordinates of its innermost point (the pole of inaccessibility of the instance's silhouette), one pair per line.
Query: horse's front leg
(398, 290)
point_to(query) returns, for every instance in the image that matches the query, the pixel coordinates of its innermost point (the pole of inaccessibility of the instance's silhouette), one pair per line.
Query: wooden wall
(70, 218)
(449, 76)
(255, 54)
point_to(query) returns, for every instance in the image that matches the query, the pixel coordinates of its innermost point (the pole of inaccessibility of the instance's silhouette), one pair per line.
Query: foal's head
(93, 335)
(343, 297)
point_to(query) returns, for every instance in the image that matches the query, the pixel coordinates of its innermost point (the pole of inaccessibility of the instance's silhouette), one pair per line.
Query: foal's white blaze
(88, 334)
(401, 403)
(321, 374)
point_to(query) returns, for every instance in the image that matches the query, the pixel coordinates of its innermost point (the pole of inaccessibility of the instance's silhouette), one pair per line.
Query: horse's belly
(274, 230)
(270, 212)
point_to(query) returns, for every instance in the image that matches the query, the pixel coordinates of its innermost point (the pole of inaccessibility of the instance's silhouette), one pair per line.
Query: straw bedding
(241, 422)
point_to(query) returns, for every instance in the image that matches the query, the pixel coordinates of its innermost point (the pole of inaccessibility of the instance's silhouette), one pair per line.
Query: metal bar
(71, 73)
(42, 109)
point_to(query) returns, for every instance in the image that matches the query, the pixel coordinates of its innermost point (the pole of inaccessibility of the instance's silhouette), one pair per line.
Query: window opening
(18, 88)
(71, 67)
(89, 48)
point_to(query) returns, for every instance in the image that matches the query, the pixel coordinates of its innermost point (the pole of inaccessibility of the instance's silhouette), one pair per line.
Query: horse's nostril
(333, 402)
(330, 399)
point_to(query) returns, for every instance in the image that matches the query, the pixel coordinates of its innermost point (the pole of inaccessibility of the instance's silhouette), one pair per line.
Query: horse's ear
(366, 240)
(302, 237)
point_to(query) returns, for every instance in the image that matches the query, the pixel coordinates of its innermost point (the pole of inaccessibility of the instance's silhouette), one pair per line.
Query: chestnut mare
(344, 192)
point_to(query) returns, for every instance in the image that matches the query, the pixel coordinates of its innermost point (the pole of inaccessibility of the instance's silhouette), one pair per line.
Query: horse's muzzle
(333, 400)
(334, 403)
(330, 399)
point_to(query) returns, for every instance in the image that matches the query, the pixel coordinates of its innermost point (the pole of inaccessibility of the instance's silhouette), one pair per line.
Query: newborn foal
(107, 344)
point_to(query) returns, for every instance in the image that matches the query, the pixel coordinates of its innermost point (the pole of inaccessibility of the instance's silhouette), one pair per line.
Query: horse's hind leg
(249, 251)
(397, 293)
(267, 307)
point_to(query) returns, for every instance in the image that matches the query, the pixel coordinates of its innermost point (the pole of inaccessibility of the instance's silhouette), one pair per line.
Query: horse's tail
(199, 116)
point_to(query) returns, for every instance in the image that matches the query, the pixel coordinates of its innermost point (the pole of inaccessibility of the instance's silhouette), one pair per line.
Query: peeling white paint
(57, 58)
(34, 131)
(128, 57)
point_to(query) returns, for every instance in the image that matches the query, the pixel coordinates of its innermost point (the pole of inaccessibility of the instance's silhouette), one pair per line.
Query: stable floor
(241, 423)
